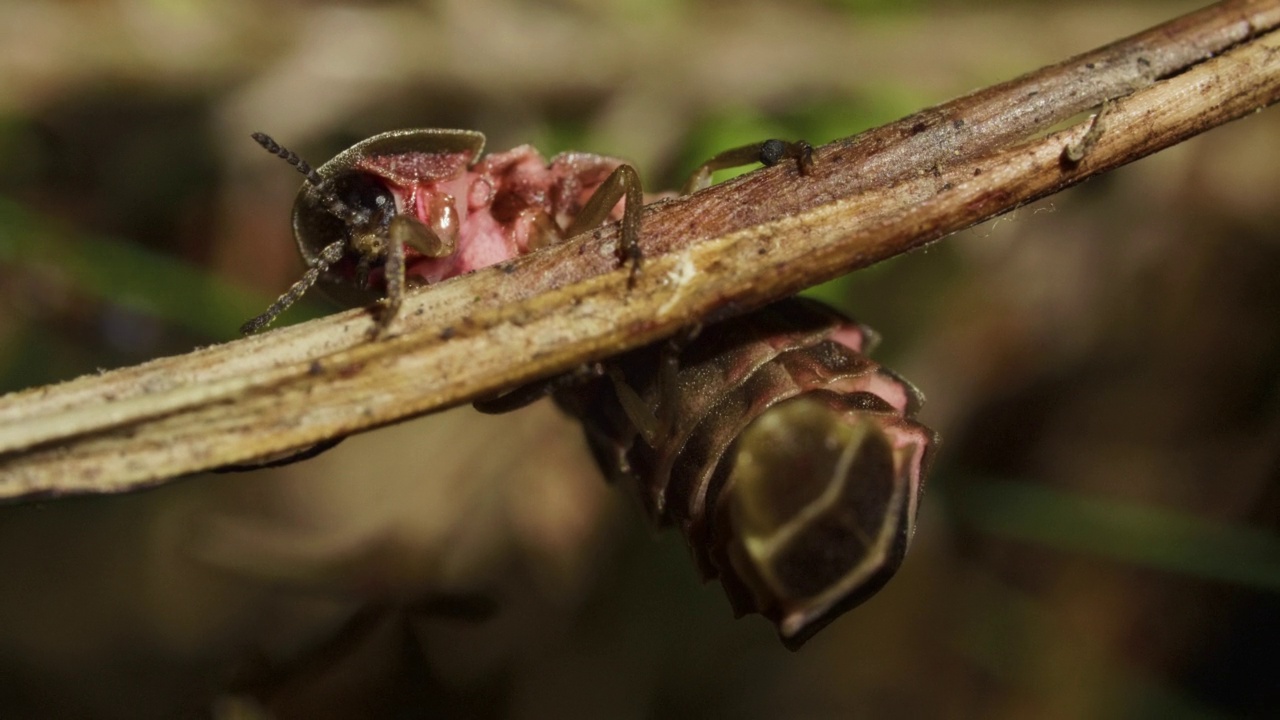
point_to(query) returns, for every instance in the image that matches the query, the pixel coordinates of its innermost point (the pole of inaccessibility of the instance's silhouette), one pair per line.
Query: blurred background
(1099, 535)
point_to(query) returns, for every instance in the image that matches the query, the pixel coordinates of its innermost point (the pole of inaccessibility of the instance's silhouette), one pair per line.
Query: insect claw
(636, 256)
(805, 158)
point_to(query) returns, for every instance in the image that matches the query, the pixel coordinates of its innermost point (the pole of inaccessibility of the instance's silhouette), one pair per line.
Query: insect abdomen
(789, 461)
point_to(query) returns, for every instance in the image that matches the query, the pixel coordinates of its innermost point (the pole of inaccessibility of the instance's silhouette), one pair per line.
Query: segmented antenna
(331, 201)
(288, 156)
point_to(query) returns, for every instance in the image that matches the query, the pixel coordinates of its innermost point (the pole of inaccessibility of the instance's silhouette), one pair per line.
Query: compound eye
(366, 195)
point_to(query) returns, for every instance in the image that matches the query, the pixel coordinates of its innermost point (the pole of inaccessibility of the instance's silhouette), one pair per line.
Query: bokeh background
(1100, 533)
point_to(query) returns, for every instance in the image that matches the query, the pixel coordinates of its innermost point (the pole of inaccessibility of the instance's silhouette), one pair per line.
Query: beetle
(790, 462)
(410, 207)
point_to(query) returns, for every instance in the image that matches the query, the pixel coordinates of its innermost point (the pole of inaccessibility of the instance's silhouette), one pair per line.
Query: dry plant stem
(733, 247)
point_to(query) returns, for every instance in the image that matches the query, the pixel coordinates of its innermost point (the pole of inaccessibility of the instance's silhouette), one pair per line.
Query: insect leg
(768, 153)
(641, 416)
(408, 230)
(331, 254)
(1073, 153)
(534, 391)
(393, 273)
(623, 181)
(543, 231)
(289, 459)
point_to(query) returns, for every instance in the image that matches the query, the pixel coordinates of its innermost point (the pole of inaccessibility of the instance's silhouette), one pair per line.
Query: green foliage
(124, 274)
(1124, 532)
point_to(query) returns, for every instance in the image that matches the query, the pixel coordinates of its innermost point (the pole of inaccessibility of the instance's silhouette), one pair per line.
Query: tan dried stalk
(736, 246)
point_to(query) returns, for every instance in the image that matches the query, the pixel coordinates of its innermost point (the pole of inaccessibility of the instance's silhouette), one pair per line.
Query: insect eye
(365, 195)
